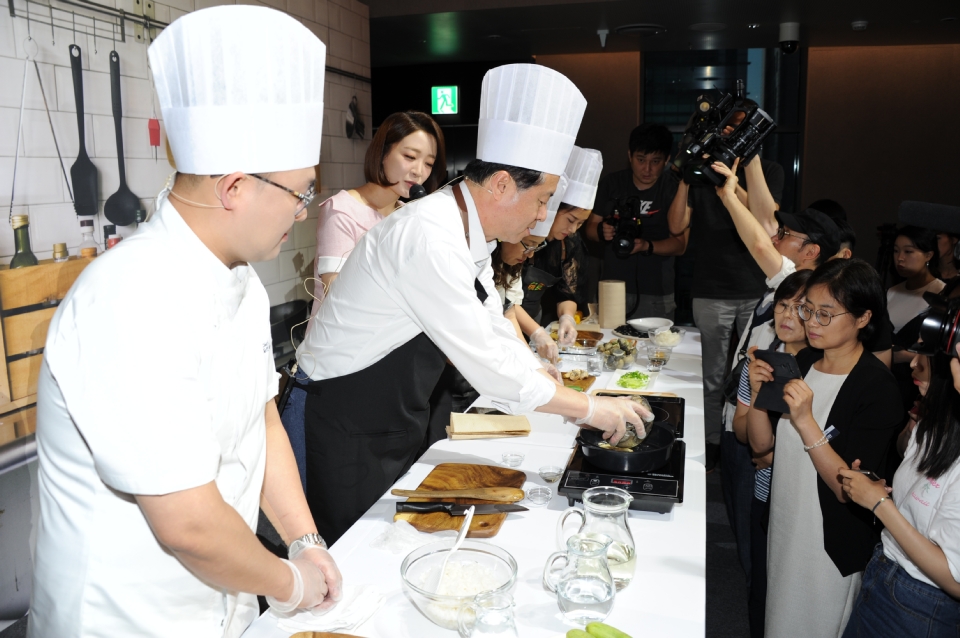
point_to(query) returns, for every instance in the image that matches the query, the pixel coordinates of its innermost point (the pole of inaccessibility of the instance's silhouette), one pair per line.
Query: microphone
(417, 191)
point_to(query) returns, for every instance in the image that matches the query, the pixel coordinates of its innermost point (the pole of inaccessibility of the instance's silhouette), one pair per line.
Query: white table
(668, 594)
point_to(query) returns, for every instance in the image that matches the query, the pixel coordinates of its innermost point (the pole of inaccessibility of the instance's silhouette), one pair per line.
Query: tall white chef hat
(241, 89)
(583, 171)
(529, 117)
(542, 229)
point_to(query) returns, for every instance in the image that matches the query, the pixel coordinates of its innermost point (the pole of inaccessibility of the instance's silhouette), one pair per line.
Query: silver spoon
(464, 528)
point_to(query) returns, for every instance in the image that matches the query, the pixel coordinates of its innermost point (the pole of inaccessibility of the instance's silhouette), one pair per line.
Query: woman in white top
(844, 408)
(910, 586)
(915, 257)
(407, 149)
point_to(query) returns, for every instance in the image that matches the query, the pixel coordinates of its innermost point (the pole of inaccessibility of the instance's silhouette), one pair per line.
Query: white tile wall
(41, 192)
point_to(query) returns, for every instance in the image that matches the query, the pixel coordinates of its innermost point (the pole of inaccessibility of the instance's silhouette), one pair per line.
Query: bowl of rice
(475, 568)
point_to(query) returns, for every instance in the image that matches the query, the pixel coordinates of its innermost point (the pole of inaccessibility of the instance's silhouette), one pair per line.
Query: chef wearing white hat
(418, 289)
(157, 435)
(561, 264)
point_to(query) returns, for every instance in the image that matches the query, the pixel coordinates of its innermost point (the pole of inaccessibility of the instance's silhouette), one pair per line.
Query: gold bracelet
(823, 441)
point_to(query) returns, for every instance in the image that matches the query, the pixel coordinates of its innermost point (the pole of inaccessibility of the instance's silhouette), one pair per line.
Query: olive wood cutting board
(460, 476)
(583, 384)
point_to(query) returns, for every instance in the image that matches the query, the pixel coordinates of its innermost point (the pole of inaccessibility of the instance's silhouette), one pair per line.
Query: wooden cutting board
(583, 384)
(456, 476)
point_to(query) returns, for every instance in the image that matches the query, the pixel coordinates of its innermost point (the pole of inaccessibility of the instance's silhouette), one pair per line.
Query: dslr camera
(723, 128)
(940, 326)
(626, 220)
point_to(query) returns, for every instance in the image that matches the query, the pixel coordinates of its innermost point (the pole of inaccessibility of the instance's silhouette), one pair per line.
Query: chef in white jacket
(157, 434)
(418, 289)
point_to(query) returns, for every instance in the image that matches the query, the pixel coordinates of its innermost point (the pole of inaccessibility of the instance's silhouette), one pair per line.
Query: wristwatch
(307, 540)
(649, 250)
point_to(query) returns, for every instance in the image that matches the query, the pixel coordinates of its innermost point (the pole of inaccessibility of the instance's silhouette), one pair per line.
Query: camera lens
(940, 328)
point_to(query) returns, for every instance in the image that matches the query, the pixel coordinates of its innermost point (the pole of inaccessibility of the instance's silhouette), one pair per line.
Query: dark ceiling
(406, 32)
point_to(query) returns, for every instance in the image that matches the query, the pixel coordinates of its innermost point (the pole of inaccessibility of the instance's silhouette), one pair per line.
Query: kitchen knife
(456, 509)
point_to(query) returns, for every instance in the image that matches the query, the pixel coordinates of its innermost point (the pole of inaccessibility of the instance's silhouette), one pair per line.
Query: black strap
(481, 291)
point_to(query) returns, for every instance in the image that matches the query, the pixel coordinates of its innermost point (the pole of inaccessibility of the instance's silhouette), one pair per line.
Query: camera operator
(727, 281)
(632, 205)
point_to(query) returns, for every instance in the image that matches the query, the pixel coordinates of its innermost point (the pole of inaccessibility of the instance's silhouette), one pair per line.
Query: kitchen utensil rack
(100, 21)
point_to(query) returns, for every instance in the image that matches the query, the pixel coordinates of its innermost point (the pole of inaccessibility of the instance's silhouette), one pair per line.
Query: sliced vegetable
(634, 380)
(578, 633)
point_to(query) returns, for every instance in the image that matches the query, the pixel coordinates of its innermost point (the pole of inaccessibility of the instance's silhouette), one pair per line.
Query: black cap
(818, 226)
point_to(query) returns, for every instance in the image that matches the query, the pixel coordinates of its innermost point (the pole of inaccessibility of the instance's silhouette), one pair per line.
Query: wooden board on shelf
(29, 286)
(23, 376)
(28, 331)
(458, 476)
(21, 422)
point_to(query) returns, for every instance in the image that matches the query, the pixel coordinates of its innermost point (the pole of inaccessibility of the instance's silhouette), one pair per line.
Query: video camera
(704, 135)
(940, 327)
(626, 219)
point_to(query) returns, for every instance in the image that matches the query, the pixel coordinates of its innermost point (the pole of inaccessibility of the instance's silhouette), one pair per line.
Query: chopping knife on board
(456, 509)
(123, 207)
(83, 173)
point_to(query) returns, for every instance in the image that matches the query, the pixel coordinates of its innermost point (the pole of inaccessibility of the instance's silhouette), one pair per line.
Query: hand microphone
(417, 191)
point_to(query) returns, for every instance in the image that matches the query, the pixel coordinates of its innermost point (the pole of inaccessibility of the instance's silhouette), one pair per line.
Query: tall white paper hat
(542, 229)
(241, 89)
(583, 171)
(529, 117)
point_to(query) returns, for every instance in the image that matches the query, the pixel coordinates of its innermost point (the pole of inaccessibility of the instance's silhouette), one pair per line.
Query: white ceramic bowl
(649, 324)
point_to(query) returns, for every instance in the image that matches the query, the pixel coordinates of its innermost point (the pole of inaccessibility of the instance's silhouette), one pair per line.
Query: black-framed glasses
(305, 198)
(783, 232)
(529, 250)
(822, 316)
(783, 307)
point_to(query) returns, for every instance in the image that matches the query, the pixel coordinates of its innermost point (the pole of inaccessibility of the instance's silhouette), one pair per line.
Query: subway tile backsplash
(41, 190)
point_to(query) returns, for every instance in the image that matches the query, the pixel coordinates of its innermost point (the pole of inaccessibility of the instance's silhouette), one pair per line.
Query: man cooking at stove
(418, 289)
(155, 457)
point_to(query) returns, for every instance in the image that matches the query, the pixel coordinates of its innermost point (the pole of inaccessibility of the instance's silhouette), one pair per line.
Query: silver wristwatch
(307, 540)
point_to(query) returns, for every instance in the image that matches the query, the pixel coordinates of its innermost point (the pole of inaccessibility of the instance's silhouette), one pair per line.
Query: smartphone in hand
(785, 368)
(870, 474)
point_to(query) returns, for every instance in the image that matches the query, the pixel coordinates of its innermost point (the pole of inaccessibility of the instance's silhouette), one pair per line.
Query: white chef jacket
(413, 273)
(157, 368)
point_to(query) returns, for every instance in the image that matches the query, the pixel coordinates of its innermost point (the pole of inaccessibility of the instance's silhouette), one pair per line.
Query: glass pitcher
(584, 584)
(605, 512)
(489, 614)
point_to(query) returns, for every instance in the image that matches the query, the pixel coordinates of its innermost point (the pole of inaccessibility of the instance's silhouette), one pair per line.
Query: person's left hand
(860, 489)
(640, 246)
(799, 397)
(763, 462)
(324, 561)
(553, 371)
(730, 186)
(567, 331)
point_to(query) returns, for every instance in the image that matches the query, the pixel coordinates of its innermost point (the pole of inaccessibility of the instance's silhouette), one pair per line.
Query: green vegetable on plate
(634, 380)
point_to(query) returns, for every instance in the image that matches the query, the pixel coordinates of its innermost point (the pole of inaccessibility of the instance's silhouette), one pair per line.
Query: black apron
(535, 284)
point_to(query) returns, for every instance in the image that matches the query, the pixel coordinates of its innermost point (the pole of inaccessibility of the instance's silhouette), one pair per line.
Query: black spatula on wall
(83, 173)
(121, 208)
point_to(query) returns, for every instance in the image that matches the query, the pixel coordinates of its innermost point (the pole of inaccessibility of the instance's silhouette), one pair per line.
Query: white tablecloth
(667, 596)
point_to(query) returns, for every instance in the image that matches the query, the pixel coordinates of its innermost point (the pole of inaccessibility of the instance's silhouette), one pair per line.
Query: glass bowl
(512, 459)
(476, 567)
(657, 356)
(670, 337)
(539, 495)
(581, 346)
(550, 473)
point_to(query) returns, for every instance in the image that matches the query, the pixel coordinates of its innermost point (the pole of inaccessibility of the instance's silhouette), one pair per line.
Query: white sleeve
(787, 268)
(437, 290)
(945, 526)
(515, 291)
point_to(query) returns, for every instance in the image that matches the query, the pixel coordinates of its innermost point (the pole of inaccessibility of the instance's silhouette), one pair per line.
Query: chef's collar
(480, 248)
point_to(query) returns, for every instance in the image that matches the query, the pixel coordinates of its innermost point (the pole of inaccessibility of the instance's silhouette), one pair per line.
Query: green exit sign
(444, 100)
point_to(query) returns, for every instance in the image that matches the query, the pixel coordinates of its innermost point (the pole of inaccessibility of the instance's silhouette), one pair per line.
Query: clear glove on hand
(546, 347)
(567, 331)
(611, 414)
(309, 587)
(328, 567)
(553, 371)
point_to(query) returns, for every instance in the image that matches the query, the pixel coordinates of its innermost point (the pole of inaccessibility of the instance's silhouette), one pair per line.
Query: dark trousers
(759, 519)
(737, 480)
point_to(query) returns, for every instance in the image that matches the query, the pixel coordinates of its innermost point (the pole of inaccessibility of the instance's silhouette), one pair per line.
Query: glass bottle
(60, 253)
(23, 256)
(88, 247)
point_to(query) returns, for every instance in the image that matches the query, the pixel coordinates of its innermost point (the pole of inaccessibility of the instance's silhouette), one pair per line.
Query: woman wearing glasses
(407, 149)
(562, 262)
(846, 407)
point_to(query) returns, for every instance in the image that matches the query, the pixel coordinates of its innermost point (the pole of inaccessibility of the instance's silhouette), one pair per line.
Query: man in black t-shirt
(648, 270)
(727, 282)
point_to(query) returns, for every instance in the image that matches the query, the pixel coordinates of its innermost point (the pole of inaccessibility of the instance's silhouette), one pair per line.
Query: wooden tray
(456, 476)
(583, 384)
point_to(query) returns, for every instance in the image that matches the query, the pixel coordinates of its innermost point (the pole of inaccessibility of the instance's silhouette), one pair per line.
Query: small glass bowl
(550, 473)
(512, 459)
(539, 494)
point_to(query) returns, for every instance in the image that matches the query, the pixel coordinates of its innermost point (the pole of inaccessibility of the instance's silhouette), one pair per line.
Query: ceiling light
(753, 25)
(859, 25)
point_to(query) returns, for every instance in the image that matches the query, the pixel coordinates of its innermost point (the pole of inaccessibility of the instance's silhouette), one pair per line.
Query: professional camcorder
(627, 220)
(704, 135)
(940, 326)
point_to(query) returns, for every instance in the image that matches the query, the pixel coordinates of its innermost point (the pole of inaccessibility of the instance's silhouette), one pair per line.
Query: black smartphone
(785, 368)
(870, 474)
(476, 410)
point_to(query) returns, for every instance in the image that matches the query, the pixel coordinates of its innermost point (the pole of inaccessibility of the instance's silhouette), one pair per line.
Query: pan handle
(77, 69)
(117, 110)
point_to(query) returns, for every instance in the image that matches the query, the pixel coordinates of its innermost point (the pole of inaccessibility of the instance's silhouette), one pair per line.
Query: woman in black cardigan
(846, 407)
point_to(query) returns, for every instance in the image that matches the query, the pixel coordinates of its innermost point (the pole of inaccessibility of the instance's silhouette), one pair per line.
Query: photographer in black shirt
(640, 193)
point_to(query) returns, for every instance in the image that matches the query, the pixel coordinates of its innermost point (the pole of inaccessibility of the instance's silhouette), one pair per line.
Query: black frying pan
(652, 454)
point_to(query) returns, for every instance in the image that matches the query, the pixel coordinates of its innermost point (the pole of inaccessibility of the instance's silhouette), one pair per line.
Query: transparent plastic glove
(546, 347)
(553, 371)
(567, 331)
(611, 414)
(331, 573)
(309, 587)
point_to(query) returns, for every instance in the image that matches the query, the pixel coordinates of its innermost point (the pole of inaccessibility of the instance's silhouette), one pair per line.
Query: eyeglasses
(305, 198)
(783, 232)
(782, 307)
(822, 316)
(529, 250)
